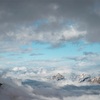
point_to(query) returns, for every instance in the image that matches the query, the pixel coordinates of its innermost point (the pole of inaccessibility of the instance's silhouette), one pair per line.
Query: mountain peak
(58, 77)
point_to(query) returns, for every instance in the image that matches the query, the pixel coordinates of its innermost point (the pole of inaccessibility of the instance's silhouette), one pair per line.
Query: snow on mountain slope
(66, 75)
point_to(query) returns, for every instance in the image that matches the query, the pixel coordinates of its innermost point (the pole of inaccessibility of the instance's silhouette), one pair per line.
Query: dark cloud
(90, 53)
(36, 54)
(49, 21)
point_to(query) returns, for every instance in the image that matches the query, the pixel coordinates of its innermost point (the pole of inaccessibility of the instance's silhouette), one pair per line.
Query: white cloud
(87, 61)
(29, 34)
(40, 90)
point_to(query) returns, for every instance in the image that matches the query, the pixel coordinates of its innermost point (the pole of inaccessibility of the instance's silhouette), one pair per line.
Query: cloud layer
(32, 84)
(52, 21)
(88, 61)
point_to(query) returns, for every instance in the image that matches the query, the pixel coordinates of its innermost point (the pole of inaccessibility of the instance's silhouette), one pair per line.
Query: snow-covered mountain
(24, 73)
(58, 77)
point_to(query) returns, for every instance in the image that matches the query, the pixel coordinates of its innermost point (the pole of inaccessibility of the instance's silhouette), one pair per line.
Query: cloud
(38, 90)
(36, 54)
(87, 56)
(31, 83)
(46, 62)
(53, 21)
(86, 61)
(29, 34)
(89, 53)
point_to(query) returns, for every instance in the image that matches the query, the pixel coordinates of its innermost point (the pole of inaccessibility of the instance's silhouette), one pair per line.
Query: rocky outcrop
(95, 80)
(58, 77)
(84, 78)
(88, 78)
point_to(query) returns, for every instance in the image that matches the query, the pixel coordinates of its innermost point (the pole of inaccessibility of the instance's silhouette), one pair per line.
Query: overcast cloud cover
(50, 21)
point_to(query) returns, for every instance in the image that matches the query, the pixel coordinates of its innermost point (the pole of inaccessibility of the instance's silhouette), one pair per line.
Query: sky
(50, 33)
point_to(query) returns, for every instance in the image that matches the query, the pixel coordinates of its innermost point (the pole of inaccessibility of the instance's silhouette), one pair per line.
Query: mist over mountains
(43, 84)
